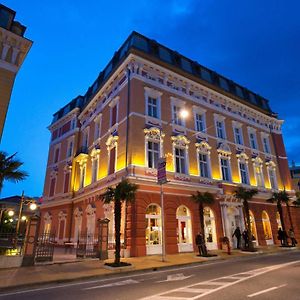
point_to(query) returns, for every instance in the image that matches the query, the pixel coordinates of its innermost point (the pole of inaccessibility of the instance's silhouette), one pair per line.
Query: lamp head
(33, 206)
(184, 113)
(10, 213)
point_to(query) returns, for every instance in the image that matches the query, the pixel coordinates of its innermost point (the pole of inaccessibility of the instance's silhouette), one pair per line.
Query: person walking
(237, 234)
(201, 244)
(246, 238)
(280, 236)
(291, 235)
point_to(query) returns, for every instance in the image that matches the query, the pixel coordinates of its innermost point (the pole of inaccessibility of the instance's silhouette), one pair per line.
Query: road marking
(209, 284)
(266, 291)
(147, 273)
(119, 283)
(175, 277)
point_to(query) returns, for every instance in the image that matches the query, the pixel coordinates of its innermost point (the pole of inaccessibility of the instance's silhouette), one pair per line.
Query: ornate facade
(129, 118)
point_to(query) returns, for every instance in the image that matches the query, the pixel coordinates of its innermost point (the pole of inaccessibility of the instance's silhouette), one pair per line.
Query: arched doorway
(267, 228)
(184, 229)
(253, 227)
(234, 220)
(210, 229)
(153, 230)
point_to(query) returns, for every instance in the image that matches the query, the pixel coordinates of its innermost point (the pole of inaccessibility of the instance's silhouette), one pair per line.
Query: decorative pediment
(62, 215)
(91, 209)
(48, 216)
(203, 147)
(112, 141)
(242, 155)
(153, 133)
(180, 141)
(78, 212)
(224, 149)
(270, 164)
(257, 160)
(95, 152)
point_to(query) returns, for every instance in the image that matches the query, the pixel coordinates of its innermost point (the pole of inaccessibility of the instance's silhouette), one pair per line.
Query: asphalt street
(273, 277)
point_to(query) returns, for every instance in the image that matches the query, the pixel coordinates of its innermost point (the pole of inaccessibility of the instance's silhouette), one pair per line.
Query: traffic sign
(161, 171)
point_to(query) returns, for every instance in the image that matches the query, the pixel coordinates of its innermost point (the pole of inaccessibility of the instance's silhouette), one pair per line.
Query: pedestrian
(280, 236)
(237, 234)
(292, 237)
(246, 238)
(201, 244)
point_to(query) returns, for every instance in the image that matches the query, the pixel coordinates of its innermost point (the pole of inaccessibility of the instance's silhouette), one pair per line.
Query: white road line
(119, 283)
(266, 291)
(108, 279)
(252, 273)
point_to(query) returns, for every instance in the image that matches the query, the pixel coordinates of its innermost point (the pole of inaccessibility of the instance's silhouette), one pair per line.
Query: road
(255, 277)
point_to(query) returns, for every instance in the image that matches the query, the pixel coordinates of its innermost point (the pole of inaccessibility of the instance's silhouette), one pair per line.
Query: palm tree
(297, 201)
(9, 169)
(245, 196)
(202, 199)
(280, 198)
(124, 191)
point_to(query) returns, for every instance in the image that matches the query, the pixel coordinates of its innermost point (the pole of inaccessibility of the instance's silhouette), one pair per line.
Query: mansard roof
(153, 51)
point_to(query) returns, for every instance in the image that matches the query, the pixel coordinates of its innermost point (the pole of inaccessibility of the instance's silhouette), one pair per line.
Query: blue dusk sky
(255, 43)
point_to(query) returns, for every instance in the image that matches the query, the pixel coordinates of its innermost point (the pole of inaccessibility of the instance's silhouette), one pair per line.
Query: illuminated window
(112, 161)
(244, 173)
(153, 154)
(82, 176)
(204, 165)
(180, 160)
(225, 168)
(95, 162)
(177, 119)
(266, 226)
(257, 165)
(184, 226)
(266, 144)
(272, 177)
(209, 226)
(153, 225)
(252, 225)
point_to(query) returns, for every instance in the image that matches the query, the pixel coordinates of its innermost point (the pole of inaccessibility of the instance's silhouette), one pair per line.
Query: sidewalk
(91, 268)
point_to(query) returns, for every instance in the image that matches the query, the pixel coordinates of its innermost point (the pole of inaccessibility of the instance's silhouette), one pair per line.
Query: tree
(202, 199)
(9, 169)
(245, 196)
(280, 198)
(297, 201)
(124, 191)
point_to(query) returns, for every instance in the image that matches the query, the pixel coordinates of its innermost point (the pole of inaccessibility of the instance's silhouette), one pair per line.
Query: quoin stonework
(14, 48)
(129, 118)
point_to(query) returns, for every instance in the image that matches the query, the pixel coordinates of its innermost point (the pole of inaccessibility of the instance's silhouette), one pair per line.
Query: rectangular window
(70, 149)
(225, 169)
(203, 165)
(113, 116)
(97, 129)
(52, 187)
(94, 169)
(82, 176)
(259, 176)
(66, 183)
(180, 161)
(266, 144)
(238, 136)
(153, 154)
(244, 173)
(200, 122)
(272, 177)
(176, 116)
(220, 130)
(152, 107)
(85, 141)
(252, 137)
(112, 161)
(56, 155)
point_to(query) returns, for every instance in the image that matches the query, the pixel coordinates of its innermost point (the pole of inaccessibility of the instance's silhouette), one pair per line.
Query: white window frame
(243, 159)
(112, 142)
(97, 127)
(181, 142)
(252, 131)
(85, 137)
(153, 151)
(180, 104)
(151, 93)
(112, 104)
(82, 176)
(258, 163)
(180, 157)
(221, 157)
(201, 112)
(266, 146)
(95, 168)
(57, 146)
(221, 120)
(236, 126)
(69, 141)
(271, 167)
(204, 149)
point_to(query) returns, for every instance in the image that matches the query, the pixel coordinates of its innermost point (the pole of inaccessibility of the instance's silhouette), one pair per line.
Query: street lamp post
(162, 179)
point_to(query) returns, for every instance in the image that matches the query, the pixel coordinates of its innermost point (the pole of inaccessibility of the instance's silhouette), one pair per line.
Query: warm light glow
(24, 218)
(11, 220)
(32, 206)
(184, 113)
(11, 213)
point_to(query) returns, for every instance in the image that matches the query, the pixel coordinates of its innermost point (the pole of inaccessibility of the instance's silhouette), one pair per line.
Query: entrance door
(234, 220)
(184, 229)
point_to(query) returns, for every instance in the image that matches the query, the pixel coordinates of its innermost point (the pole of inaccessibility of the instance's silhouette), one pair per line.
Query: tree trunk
(117, 230)
(279, 208)
(289, 214)
(202, 230)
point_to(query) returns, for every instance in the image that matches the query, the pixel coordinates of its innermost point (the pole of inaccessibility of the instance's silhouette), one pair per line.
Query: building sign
(161, 171)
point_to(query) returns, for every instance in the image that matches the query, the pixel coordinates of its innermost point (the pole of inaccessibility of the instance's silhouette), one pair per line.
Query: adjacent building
(130, 117)
(13, 50)
(295, 175)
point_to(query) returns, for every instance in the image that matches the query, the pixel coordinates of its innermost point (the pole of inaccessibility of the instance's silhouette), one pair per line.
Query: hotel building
(128, 118)
(13, 50)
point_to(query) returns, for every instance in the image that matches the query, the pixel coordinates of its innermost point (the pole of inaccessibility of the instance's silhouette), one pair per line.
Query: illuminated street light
(10, 213)
(23, 218)
(33, 206)
(184, 113)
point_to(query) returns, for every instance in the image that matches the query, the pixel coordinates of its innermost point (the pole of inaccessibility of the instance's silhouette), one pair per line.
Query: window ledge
(182, 177)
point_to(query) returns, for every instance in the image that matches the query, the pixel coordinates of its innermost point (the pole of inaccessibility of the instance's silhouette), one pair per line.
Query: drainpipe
(126, 151)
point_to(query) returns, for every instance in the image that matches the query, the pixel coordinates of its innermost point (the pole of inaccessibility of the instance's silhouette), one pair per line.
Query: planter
(14, 261)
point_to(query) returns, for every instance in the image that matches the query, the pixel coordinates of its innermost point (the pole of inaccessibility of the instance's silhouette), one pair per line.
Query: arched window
(279, 225)
(210, 228)
(253, 225)
(153, 229)
(90, 221)
(267, 227)
(184, 229)
(47, 222)
(77, 224)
